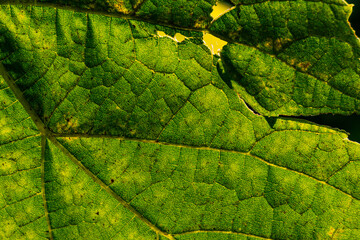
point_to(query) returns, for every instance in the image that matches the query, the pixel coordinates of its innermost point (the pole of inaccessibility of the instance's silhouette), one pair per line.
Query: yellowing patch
(331, 231)
(177, 38)
(5, 131)
(213, 43)
(220, 9)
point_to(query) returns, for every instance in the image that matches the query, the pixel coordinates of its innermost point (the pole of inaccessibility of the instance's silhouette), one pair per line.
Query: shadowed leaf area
(112, 128)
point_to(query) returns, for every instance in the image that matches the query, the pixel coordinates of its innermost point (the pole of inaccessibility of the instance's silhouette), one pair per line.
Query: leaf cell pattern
(109, 131)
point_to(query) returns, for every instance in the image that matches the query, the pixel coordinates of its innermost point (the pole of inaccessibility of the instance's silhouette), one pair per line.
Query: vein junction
(144, 138)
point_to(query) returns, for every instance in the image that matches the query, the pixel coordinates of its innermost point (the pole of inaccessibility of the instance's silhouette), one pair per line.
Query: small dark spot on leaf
(304, 65)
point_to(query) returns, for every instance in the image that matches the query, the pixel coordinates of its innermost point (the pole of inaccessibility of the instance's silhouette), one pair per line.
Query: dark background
(351, 124)
(355, 16)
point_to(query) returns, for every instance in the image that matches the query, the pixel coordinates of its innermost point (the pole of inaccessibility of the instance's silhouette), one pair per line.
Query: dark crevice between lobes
(249, 107)
(351, 124)
(355, 16)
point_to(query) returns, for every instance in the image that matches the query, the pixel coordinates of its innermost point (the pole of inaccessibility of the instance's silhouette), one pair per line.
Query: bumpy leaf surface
(109, 131)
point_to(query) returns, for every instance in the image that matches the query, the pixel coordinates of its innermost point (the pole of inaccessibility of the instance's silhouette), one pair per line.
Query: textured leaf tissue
(120, 120)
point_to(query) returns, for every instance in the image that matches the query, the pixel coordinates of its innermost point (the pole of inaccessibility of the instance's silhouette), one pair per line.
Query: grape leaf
(109, 130)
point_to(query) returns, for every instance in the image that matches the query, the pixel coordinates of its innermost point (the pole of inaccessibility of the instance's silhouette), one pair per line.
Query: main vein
(249, 153)
(19, 95)
(222, 232)
(43, 143)
(109, 190)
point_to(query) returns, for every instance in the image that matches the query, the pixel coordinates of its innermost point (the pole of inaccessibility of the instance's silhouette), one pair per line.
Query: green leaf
(294, 57)
(110, 130)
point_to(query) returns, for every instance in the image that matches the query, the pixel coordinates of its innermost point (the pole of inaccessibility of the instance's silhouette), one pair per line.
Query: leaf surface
(111, 131)
(292, 57)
